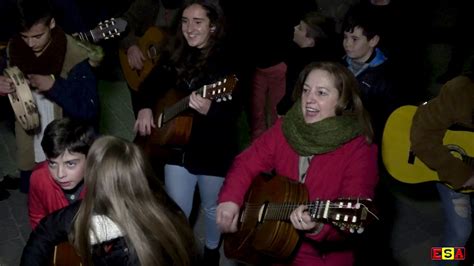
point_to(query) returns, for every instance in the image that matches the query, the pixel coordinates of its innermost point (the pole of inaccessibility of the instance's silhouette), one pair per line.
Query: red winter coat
(349, 171)
(45, 195)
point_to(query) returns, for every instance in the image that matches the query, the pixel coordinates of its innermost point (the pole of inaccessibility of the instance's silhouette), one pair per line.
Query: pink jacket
(45, 195)
(350, 171)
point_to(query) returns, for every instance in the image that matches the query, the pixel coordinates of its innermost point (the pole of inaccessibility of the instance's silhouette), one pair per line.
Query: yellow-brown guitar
(401, 162)
(149, 44)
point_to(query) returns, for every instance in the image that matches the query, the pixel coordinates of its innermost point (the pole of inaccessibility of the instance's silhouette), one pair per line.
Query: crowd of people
(317, 89)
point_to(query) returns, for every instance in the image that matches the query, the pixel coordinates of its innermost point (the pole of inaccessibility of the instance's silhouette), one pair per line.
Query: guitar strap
(303, 166)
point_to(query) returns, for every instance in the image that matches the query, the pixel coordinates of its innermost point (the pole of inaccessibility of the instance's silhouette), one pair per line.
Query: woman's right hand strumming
(144, 122)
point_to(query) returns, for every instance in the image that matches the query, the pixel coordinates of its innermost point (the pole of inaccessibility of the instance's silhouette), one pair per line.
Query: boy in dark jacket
(370, 66)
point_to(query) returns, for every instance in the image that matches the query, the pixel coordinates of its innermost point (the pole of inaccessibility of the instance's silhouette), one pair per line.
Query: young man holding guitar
(454, 106)
(58, 69)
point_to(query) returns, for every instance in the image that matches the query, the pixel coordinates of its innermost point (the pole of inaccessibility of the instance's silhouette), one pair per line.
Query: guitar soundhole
(152, 53)
(261, 212)
(411, 157)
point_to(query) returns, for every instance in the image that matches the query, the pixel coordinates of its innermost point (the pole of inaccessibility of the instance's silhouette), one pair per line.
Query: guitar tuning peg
(360, 230)
(229, 97)
(352, 230)
(218, 100)
(224, 99)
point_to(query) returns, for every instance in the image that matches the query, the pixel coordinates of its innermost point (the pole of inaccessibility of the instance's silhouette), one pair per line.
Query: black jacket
(213, 142)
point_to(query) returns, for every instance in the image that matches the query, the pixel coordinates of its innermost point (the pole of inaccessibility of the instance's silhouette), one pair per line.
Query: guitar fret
(326, 210)
(319, 210)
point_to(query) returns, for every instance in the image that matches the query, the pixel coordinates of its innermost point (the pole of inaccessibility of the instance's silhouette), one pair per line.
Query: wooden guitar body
(65, 255)
(265, 232)
(175, 132)
(149, 45)
(275, 238)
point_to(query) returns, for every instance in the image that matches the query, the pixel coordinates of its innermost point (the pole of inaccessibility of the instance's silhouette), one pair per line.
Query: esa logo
(448, 253)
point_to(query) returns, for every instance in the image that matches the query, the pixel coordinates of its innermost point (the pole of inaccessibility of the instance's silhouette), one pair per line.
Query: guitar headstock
(220, 90)
(351, 215)
(106, 29)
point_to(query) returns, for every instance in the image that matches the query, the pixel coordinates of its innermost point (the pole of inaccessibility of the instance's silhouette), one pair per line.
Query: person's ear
(52, 23)
(213, 29)
(311, 42)
(374, 41)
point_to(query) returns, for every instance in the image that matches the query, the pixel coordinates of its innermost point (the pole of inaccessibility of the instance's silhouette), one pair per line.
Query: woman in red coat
(325, 142)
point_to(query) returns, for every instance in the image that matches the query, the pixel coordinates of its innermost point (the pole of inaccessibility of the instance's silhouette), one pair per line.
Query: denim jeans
(457, 208)
(180, 185)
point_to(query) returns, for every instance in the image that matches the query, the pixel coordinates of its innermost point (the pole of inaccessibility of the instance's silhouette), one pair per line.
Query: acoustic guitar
(402, 163)
(264, 227)
(105, 30)
(173, 123)
(149, 44)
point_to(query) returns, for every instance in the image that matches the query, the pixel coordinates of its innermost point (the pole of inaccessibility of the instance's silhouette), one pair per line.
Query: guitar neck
(343, 212)
(177, 108)
(319, 210)
(86, 36)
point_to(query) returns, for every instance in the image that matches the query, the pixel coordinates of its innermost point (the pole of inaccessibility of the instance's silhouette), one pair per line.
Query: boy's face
(357, 46)
(299, 35)
(67, 169)
(38, 37)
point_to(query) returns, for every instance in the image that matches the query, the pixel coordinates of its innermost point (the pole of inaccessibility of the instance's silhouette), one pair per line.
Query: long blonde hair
(118, 187)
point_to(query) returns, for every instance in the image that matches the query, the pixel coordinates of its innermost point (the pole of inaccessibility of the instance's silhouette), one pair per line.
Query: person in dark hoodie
(453, 108)
(314, 40)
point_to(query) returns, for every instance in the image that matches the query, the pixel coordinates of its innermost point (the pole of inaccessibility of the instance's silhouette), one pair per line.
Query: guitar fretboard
(207, 91)
(85, 36)
(319, 210)
(179, 107)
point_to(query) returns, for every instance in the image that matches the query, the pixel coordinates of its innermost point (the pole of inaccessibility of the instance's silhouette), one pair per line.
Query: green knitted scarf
(320, 137)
